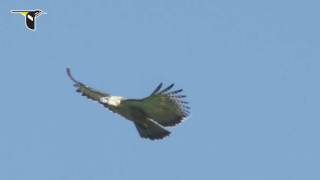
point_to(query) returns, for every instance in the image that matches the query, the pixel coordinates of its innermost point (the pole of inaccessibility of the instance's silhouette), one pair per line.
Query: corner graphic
(30, 17)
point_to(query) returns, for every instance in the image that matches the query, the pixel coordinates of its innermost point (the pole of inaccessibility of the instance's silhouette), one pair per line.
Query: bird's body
(150, 114)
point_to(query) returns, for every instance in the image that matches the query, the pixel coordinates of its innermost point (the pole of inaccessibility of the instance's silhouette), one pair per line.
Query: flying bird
(150, 115)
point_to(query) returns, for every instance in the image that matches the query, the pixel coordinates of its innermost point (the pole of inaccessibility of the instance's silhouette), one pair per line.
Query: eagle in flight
(150, 115)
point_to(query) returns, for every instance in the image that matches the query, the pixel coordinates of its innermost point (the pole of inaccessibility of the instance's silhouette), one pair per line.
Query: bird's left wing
(87, 91)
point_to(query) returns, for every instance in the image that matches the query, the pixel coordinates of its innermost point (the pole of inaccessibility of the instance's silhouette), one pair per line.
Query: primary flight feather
(150, 115)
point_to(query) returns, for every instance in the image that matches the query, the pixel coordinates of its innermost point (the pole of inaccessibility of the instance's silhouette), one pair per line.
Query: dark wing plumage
(87, 91)
(165, 107)
(153, 131)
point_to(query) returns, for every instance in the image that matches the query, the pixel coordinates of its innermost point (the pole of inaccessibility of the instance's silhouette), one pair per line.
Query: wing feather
(157, 89)
(166, 89)
(87, 91)
(167, 109)
(175, 92)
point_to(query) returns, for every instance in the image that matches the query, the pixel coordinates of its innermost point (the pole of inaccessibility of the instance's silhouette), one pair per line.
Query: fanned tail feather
(151, 130)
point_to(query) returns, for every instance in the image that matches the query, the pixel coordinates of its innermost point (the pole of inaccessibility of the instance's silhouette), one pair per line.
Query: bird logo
(30, 16)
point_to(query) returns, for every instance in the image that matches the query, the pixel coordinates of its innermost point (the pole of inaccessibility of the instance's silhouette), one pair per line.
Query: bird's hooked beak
(40, 12)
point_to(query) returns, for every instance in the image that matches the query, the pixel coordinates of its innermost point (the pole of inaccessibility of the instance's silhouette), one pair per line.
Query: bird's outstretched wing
(164, 106)
(87, 91)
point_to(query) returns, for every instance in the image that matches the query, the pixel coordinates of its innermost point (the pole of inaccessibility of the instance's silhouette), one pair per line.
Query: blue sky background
(250, 69)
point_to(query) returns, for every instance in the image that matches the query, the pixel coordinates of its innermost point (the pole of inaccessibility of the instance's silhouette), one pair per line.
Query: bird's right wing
(87, 91)
(166, 107)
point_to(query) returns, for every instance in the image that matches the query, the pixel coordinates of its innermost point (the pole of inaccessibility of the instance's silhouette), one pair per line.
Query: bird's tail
(151, 130)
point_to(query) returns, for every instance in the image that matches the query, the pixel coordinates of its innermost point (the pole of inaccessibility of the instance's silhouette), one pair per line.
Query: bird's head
(39, 12)
(112, 100)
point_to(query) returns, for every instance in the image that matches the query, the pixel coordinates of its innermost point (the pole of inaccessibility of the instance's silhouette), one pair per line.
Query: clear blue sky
(251, 70)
